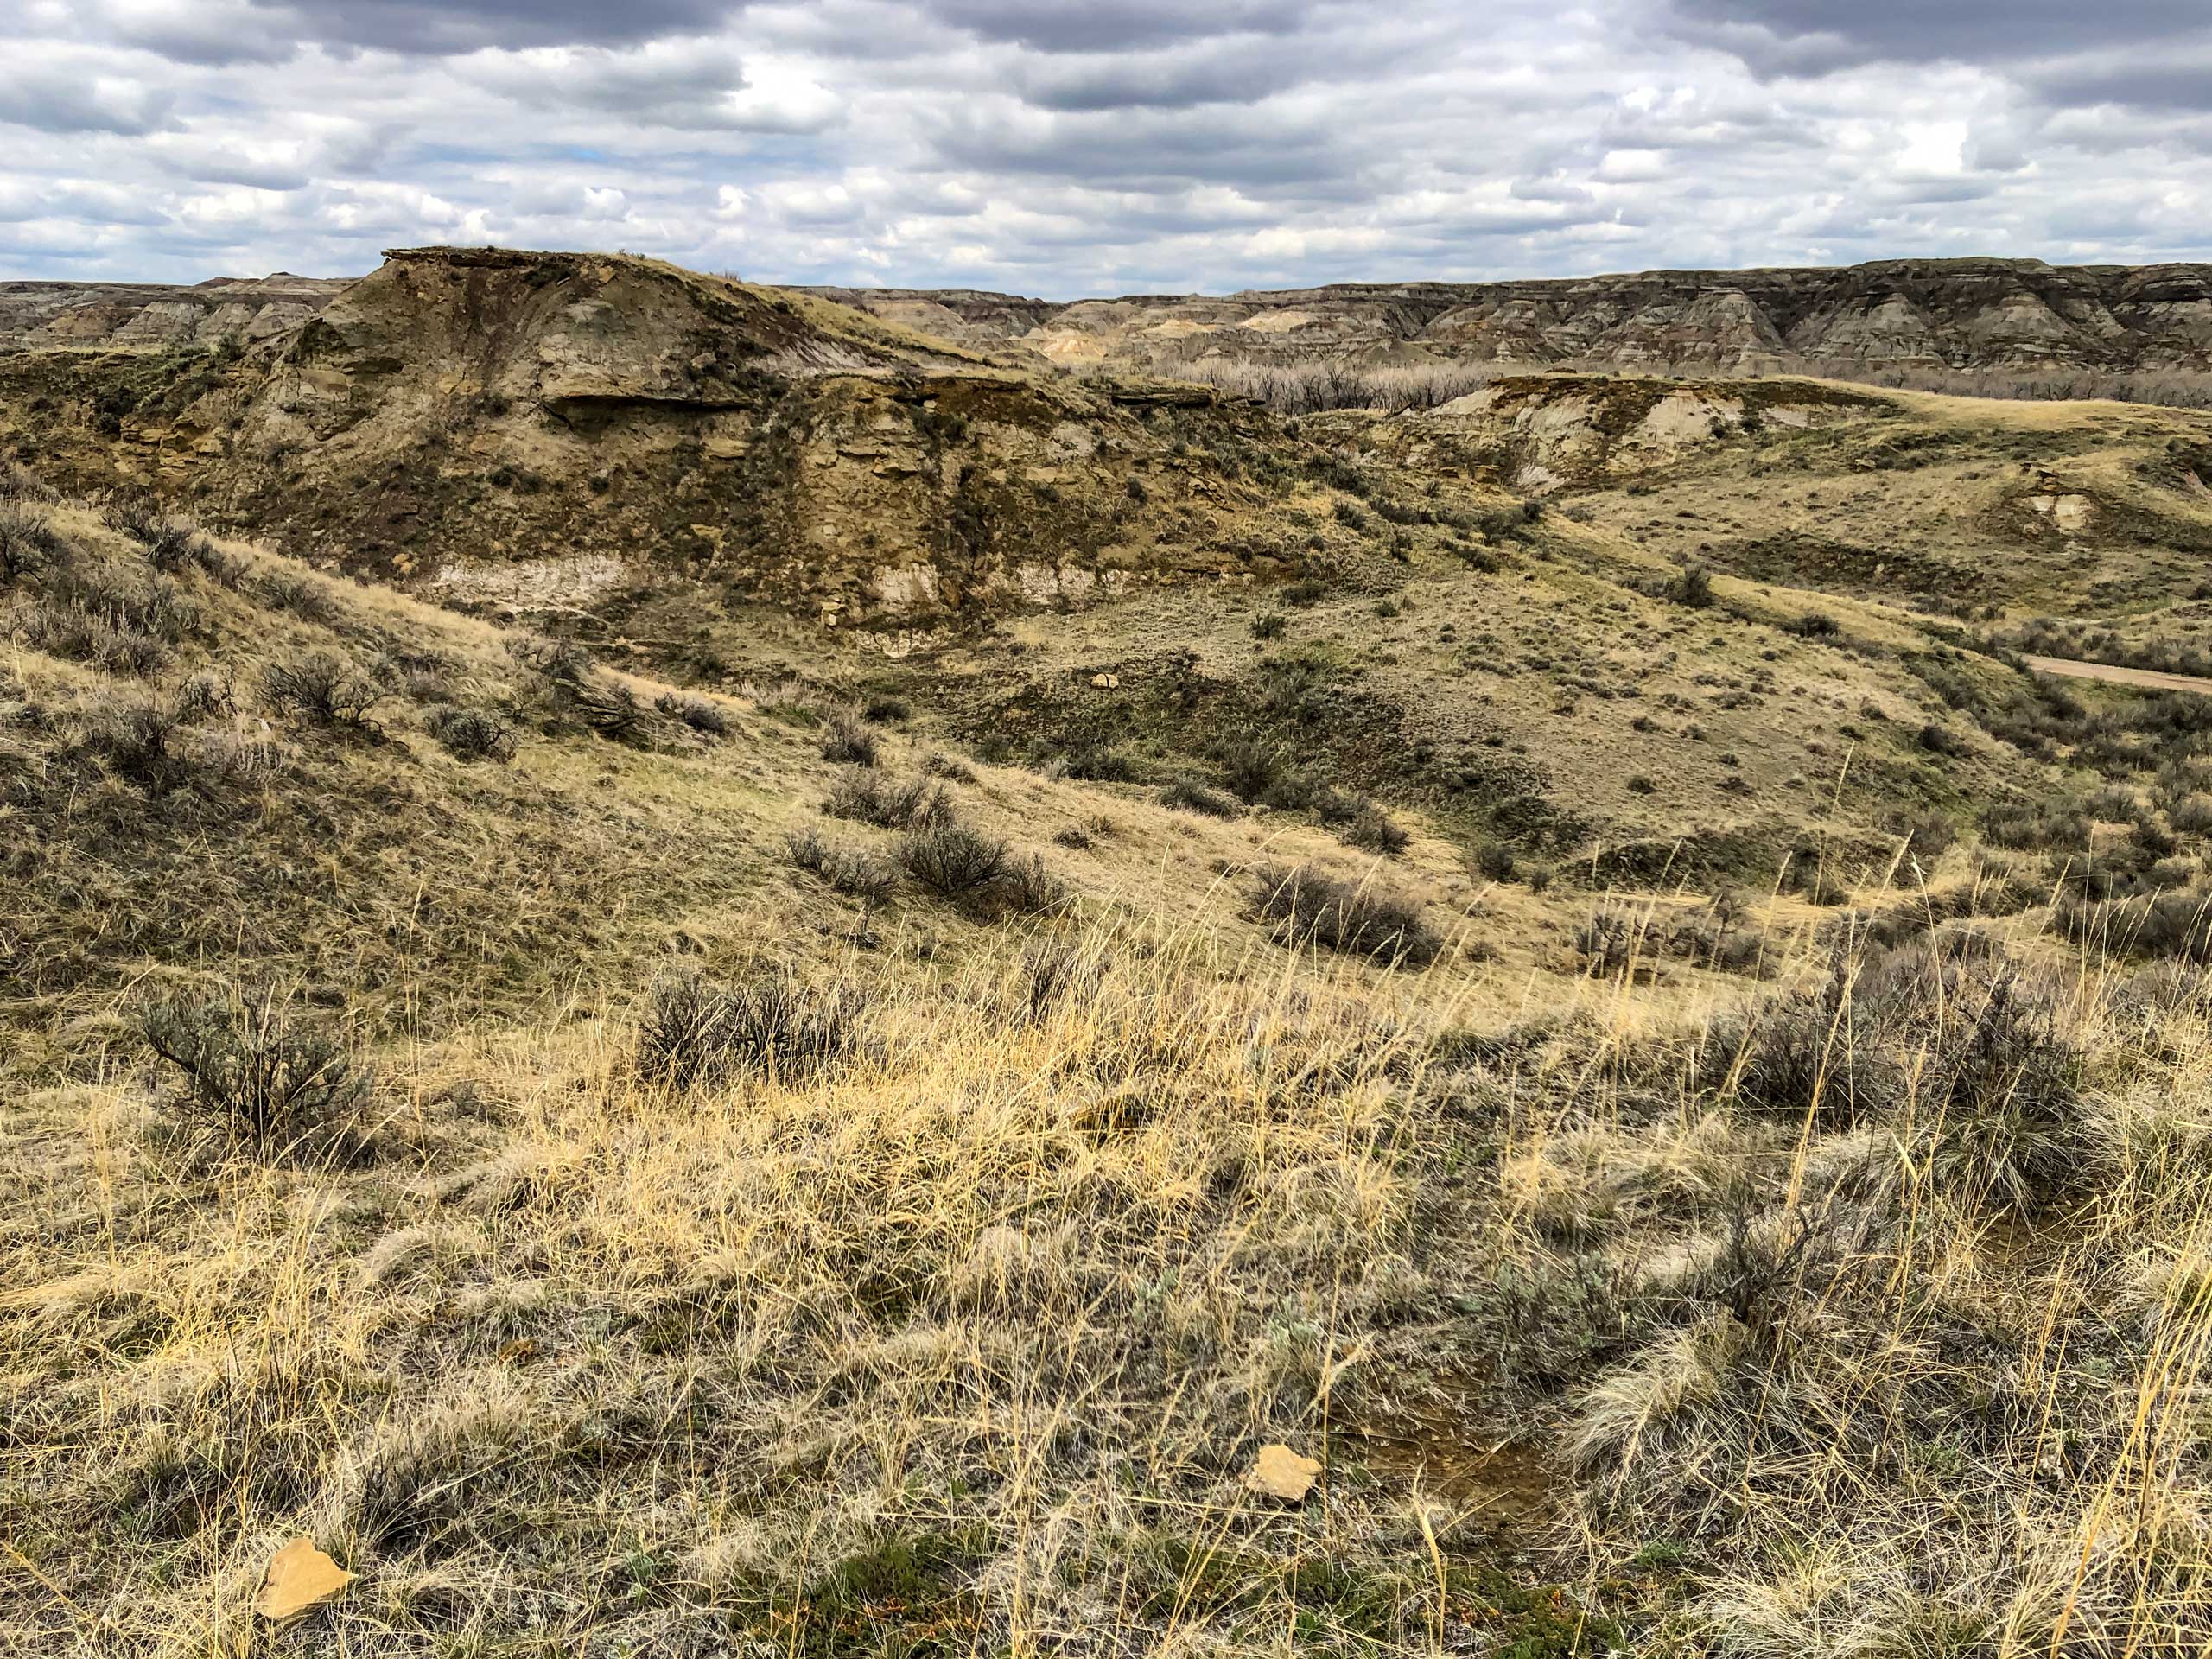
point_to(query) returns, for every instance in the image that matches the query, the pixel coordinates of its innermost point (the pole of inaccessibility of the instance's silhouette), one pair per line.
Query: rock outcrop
(555, 429)
(1943, 314)
(146, 316)
(1935, 313)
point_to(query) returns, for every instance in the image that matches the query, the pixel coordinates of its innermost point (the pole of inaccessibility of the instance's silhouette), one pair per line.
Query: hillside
(1937, 313)
(540, 428)
(691, 971)
(1967, 315)
(152, 316)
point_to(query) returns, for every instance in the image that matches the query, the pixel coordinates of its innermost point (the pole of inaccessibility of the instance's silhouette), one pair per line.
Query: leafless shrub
(610, 709)
(850, 870)
(320, 687)
(253, 1072)
(19, 483)
(207, 694)
(1373, 831)
(1030, 889)
(69, 631)
(953, 860)
(473, 735)
(123, 599)
(564, 662)
(1250, 767)
(1608, 942)
(868, 797)
(1308, 905)
(1191, 796)
(696, 1033)
(286, 589)
(30, 545)
(171, 543)
(142, 744)
(848, 741)
(696, 712)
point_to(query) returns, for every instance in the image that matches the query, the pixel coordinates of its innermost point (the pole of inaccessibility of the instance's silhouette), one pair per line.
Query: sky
(1087, 146)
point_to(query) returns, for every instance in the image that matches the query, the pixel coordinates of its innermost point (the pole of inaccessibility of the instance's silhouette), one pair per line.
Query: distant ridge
(1962, 314)
(1956, 314)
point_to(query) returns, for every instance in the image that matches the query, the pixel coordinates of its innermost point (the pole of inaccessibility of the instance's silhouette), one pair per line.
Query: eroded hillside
(705, 973)
(558, 430)
(148, 316)
(1937, 313)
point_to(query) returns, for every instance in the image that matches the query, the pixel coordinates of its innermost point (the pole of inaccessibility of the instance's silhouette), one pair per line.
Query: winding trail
(2067, 668)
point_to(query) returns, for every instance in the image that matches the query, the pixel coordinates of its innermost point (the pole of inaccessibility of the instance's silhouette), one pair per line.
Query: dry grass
(1026, 1286)
(970, 1338)
(928, 1285)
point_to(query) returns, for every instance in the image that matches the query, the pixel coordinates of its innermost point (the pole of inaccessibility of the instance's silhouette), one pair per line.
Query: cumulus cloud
(1811, 37)
(1139, 145)
(233, 31)
(75, 95)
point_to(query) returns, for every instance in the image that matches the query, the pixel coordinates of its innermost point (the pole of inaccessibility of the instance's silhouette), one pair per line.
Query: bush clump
(953, 860)
(141, 744)
(1191, 796)
(1308, 905)
(850, 870)
(1375, 830)
(256, 1073)
(696, 1033)
(1963, 1051)
(863, 796)
(1494, 861)
(320, 687)
(152, 605)
(473, 735)
(697, 713)
(79, 636)
(848, 741)
(886, 709)
(2175, 925)
(611, 710)
(1028, 887)
(564, 662)
(1692, 586)
(1100, 763)
(19, 483)
(171, 543)
(28, 546)
(296, 592)
(1250, 768)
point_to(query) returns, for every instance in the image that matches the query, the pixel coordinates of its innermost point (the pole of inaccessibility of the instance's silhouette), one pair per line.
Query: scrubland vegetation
(1309, 388)
(1700, 1137)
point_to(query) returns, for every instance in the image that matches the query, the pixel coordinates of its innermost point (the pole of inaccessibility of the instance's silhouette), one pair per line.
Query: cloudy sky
(1101, 146)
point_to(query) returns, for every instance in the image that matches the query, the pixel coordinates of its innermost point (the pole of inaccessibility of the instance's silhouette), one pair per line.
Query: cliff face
(150, 316)
(556, 429)
(1968, 315)
(1950, 313)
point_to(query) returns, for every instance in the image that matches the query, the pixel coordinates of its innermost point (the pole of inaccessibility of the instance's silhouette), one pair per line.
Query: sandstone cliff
(561, 430)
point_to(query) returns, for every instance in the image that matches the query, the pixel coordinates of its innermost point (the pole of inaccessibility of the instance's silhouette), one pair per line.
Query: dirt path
(2145, 677)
